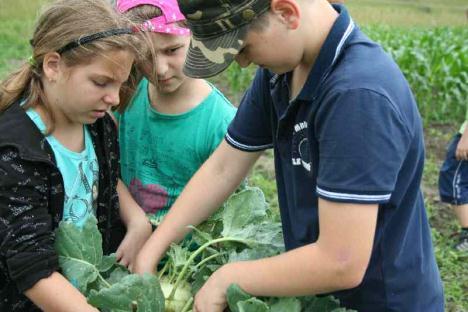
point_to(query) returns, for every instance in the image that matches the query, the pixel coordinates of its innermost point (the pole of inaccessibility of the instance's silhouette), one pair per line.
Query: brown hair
(62, 22)
(260, 23)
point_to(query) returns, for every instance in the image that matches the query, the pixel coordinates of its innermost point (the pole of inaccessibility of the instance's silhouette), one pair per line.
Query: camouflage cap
(218, 29)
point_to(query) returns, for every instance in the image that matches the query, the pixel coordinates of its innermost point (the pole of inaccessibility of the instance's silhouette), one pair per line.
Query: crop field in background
(429, 41)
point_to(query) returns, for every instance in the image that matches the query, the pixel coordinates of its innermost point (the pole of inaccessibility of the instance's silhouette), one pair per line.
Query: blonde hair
(62, 22)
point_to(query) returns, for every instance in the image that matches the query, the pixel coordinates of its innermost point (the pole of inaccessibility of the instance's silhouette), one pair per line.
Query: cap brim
(209, 57)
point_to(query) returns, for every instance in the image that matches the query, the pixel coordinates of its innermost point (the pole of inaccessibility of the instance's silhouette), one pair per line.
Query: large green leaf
(270, 234)
(253, 305)
(141, 293)
(286, 304)
(107, 263)
(79, 273)
(250, 254)
(80, 252)
(117, 273)
(240, 301)
(107, 284)
(323, 303)
(80, 243)
(235, 295)
(242, 210)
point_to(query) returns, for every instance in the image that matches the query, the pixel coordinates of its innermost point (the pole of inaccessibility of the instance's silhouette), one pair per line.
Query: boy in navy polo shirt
(349, 154)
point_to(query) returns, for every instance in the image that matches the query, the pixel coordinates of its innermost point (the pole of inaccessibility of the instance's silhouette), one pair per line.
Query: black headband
(96, 36)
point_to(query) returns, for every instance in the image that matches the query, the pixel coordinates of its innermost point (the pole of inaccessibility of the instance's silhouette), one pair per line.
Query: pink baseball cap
(166, 23)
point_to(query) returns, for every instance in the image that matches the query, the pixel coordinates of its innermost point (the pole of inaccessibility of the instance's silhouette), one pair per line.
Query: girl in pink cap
(173, 123)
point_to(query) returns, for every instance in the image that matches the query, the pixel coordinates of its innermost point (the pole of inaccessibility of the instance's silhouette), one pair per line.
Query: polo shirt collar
(329, 53)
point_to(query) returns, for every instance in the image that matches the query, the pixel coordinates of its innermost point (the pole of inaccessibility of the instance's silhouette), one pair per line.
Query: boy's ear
(288, 11)
(51, 66)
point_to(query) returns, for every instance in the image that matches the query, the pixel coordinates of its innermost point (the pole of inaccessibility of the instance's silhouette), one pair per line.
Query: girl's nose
(161, 66)
(113, 98)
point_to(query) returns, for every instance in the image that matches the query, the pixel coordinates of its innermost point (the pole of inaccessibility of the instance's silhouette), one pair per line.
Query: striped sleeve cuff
(244, 147)
(347, 197)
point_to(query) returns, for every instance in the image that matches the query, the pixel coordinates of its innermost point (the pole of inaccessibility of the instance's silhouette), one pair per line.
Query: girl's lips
(163, 81)
(99, 113)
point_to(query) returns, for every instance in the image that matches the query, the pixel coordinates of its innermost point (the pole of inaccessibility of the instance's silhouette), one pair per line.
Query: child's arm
(216, 179)
(461, 152)
(26, 236)
(55, 293)
(337, 260)
(137, 224)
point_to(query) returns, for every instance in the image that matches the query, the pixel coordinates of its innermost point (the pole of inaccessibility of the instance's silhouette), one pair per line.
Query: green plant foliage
(240, 301)
(241, 211)
(435, 63)
(106, 284)
(132, 293)
(244, 230)
(286, 304)
(80, 259)
(234, 295)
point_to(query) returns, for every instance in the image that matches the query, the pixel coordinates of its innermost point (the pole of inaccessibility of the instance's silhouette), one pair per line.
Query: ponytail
(16, 85)
(24, 85)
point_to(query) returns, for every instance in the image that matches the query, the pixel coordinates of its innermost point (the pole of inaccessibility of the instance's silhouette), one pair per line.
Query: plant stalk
(196, 253)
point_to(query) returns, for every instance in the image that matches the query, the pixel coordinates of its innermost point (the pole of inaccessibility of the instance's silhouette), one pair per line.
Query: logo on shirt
(150, 197)
(300, 146)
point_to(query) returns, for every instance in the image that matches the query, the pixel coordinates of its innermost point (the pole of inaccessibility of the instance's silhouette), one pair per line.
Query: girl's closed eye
(173, 50)
(99, 83)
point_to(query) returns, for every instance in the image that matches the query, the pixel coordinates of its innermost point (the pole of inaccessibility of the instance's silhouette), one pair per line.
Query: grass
(17, 19)
(404, 13)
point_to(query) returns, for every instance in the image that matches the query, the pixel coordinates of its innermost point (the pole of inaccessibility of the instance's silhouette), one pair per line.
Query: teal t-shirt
(80, 173)
(160, 152)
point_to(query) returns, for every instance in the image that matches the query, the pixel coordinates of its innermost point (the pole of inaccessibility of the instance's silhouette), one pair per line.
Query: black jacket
(31, 202)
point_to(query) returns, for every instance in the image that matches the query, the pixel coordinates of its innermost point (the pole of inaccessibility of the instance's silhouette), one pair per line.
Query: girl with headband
(59, 153)
(173, 123)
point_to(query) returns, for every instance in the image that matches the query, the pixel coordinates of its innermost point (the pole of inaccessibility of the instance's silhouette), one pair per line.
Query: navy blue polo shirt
(352, 135)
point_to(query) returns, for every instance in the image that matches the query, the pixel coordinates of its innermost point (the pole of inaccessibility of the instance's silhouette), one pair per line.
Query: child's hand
(212, 296)
(138, 232)
(144, 263)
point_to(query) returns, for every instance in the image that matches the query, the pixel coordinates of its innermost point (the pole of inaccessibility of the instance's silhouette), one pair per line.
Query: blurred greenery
(17, 18)
(409, 13)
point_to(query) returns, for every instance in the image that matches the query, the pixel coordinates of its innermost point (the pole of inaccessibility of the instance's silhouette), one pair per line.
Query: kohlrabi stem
(196, 253)
(104, 281)
(208, 259)
(172, 276)
(165, 267)
(187, 305)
